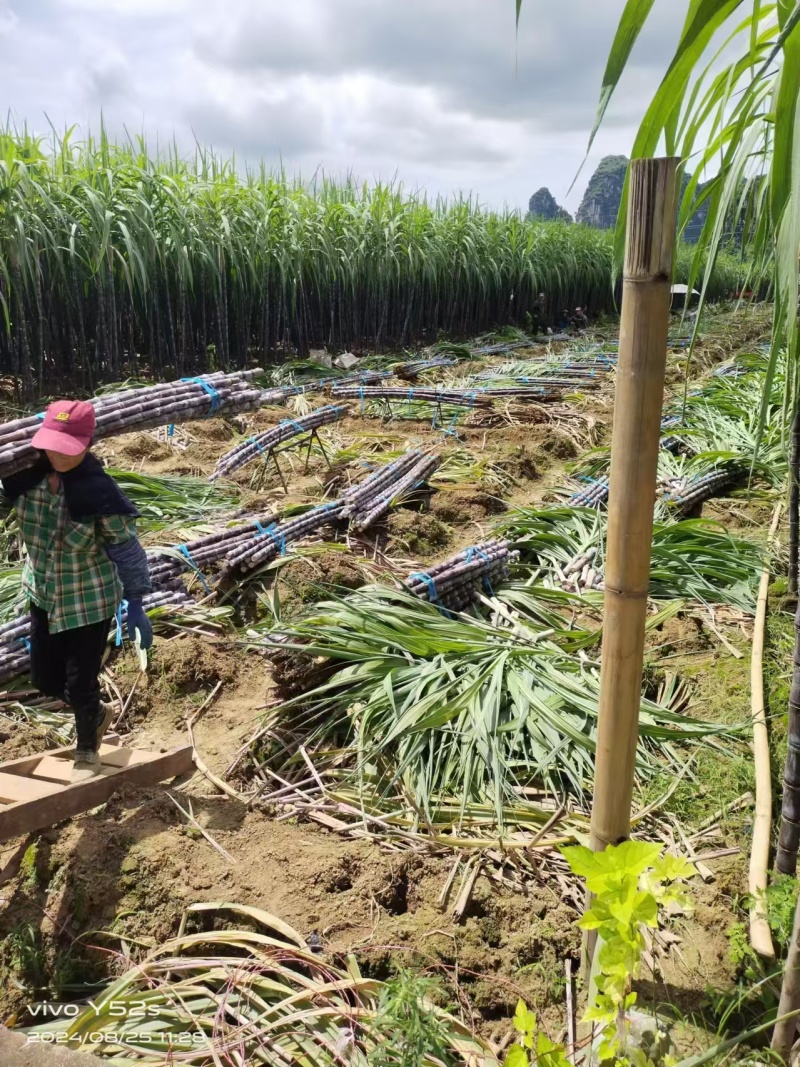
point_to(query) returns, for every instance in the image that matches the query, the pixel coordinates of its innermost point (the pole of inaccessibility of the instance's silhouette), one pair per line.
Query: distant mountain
(542, 205)
(603, 195)
(600, 204)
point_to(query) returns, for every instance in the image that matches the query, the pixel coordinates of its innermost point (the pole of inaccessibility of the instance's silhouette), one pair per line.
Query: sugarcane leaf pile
(693, 558)
(255, 993)
(430, 705)
(174, 501)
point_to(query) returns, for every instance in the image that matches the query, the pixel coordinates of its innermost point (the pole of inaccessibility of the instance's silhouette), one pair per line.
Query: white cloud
(439, 93)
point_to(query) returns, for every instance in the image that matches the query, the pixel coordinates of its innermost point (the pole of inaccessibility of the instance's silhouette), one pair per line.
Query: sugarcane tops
(67, 573)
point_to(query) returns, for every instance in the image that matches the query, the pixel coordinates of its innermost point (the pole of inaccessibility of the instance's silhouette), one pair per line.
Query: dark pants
(66, 666)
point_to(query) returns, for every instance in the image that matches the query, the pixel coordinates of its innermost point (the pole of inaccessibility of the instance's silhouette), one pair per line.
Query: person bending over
(83, 558)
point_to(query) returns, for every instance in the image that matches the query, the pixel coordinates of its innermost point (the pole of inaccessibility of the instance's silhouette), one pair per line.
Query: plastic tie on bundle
(361, 396)
(216, 399)
(430, 585)
(293, 422)
(171, 430)
(40, 414)
(187, 555)
(24, 641)
(279, 539)
(410, 397)
(257, 444)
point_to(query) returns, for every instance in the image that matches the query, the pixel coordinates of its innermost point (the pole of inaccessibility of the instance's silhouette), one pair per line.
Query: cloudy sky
(439, 93)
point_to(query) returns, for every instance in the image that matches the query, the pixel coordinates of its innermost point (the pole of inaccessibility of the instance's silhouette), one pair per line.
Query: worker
(83, 557)
(538, 315)
(580, 319)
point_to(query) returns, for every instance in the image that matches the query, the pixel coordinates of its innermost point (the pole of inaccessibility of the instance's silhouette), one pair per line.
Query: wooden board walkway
(35, 791)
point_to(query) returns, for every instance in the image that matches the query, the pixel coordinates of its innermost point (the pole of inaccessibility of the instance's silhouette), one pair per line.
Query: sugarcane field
(399, 613)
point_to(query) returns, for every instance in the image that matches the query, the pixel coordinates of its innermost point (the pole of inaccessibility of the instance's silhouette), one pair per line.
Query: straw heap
(454, 584)
(15, 655)
(142, 409)
(260, 444)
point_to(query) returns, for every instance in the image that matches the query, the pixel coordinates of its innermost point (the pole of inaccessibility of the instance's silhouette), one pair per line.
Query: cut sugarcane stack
(142, 409)
(457, 397)
(687, 493)
(582, 574)
(205, 551)
(593, 495)
(261, 444)
(271, 541)
(15, 655)
(455, 583)
(414, 369)
(369, 501)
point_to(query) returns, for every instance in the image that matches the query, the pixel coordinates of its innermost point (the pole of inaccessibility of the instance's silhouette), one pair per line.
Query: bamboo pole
(760, 934)
(644, 329)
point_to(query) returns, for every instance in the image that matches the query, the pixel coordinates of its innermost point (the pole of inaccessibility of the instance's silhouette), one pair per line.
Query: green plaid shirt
(67, 573)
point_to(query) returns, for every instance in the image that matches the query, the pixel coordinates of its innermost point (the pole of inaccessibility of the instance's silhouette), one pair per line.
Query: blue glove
(138, 620)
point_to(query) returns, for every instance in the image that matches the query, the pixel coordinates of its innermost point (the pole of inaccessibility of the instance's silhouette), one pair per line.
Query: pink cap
(68, 428)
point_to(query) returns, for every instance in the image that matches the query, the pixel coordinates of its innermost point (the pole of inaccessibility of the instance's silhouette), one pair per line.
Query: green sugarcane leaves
(439, 707)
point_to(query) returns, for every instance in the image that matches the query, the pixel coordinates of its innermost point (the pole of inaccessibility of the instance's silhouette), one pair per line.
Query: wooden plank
(29, 816)
(23, 764)
(59, 769)
(13, 788)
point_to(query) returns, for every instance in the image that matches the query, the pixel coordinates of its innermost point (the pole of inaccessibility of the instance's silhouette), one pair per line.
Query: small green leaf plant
(630, 883)
(533, 1046)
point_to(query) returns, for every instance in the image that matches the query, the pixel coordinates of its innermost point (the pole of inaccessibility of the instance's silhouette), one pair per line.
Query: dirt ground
(129, 867)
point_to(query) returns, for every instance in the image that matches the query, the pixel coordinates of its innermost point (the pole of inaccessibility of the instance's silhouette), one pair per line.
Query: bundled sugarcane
(414, 369)
(593, 495)
(582, 574)
(431, 395)
(142, 409)
(203, 552)
(686, 493)
(367, 511)
(366, 377)
(261, 444)
(271, 541)
(15, 636)
(455, 583)
(375, 484)
(456, 397)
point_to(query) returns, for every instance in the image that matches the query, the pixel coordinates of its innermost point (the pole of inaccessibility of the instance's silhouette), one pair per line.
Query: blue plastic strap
(254, 441)
(216, 399)
(187, 555)
(430, 584)
(293, 422)
(171, 430)
(123, 606)
(40, 414)
(24, 641)
(278, 539)
(410, 398)
(361, 395)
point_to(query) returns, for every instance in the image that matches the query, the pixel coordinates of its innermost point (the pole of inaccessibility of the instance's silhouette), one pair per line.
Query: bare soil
(131, 865)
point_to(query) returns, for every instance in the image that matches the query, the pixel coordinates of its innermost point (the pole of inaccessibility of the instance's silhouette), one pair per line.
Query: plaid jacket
(67, 573)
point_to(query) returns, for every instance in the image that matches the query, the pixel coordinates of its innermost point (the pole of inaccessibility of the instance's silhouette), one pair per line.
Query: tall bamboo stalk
(644, 330)
(786, 856)
(760, 934)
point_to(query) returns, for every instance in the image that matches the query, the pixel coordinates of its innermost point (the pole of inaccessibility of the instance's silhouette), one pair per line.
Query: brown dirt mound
(421, 533)
(307, 579)
(22, 739)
